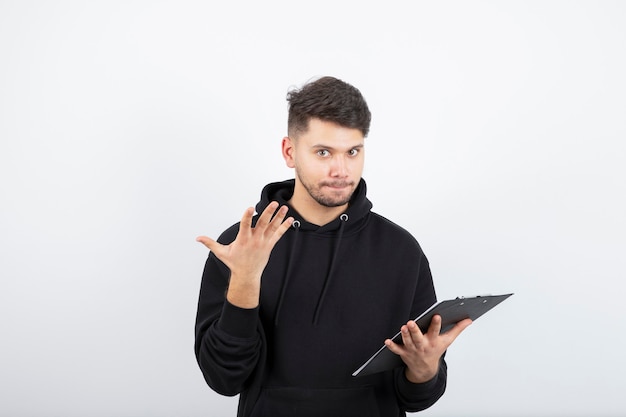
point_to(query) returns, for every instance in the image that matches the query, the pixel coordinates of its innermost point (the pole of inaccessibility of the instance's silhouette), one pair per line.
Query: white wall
(129, 128)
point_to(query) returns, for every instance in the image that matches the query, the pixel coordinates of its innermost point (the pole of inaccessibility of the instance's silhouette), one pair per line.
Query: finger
(394, 347)
(458, 328)
(435, 326)
(208, 242)
(246, 219)
(414, 331)
(278, 218)
(282, 229)
(266, 216)
(407, 338)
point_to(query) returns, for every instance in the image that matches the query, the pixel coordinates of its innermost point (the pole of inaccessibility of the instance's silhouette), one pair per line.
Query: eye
(323, 152)
(353, 152)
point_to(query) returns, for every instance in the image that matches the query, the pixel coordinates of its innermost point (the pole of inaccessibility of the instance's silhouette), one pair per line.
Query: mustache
(337, 183)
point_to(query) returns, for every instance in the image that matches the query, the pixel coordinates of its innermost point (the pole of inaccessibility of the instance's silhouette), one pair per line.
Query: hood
(358, 208)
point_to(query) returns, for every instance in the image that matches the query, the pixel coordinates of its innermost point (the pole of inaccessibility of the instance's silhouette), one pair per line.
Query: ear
(289, 150)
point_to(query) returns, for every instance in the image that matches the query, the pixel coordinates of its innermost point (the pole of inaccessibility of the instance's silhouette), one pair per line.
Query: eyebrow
(321, 146)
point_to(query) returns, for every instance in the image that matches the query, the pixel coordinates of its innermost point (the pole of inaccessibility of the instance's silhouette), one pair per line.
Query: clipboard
(451, 311)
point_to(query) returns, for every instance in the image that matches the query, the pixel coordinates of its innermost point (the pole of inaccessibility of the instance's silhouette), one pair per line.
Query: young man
(294, 299)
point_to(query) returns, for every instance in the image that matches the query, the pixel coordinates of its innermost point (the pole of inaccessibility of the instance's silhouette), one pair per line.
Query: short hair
(328, 99)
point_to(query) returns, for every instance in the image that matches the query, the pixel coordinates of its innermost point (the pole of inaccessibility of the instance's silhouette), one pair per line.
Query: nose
(339, 167)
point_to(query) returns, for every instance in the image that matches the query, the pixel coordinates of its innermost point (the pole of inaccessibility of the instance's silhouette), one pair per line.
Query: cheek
(357, 166)
(313, 165)
(311, 168)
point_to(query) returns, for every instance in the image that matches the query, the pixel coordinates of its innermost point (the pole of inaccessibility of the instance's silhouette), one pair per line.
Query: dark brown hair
(328, 99)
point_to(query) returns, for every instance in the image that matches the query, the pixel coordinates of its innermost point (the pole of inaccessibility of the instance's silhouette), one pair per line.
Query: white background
(128, 128)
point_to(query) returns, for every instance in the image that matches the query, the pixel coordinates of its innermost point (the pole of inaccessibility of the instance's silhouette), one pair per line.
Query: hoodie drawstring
(331, 269)
(292, 256)
(292, 260)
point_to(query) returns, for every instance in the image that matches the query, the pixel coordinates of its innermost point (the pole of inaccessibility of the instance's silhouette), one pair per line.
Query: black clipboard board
(451, 312)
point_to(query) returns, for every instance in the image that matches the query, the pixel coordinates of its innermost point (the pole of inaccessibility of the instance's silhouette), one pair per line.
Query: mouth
(337, 185)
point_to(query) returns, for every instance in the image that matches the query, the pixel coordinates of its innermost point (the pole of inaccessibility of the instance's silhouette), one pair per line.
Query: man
(295, 298)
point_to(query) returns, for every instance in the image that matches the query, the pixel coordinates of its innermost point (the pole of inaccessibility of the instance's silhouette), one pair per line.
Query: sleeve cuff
(425, 392)
(239, 322)
(415, 388)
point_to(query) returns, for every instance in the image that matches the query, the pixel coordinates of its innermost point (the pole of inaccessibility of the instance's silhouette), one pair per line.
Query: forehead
(321, 133)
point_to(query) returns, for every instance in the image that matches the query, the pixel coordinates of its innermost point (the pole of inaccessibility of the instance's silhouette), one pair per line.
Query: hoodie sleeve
(228, 339)
(416, 397)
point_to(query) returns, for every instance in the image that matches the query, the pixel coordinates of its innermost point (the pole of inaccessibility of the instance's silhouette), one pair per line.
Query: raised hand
(421, 352)
(248, 254)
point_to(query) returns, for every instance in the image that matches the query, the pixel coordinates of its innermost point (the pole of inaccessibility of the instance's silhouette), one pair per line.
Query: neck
(312, 211)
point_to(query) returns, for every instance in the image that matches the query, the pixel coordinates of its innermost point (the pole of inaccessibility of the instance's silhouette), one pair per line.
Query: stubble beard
(327, 199)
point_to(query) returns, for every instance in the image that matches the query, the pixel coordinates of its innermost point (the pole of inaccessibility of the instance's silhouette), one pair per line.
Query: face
(328, 160)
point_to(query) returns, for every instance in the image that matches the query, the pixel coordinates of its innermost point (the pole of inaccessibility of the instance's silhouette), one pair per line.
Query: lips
(337, 185)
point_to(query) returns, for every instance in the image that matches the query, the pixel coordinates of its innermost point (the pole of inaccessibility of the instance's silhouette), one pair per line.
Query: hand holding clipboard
(451, 311)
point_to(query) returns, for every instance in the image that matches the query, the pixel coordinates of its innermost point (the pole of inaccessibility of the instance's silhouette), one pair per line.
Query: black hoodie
(330, 295)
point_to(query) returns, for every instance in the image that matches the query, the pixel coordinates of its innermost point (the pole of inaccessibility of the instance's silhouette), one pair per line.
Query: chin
(334, 201)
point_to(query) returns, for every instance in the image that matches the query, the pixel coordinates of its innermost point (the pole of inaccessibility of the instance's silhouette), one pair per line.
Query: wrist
(243, 292)
(420, 377)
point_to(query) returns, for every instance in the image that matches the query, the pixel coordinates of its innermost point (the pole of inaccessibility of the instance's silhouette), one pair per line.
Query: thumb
(208, 242)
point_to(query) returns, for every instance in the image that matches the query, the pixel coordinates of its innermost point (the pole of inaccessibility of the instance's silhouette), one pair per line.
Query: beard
(330, 198)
